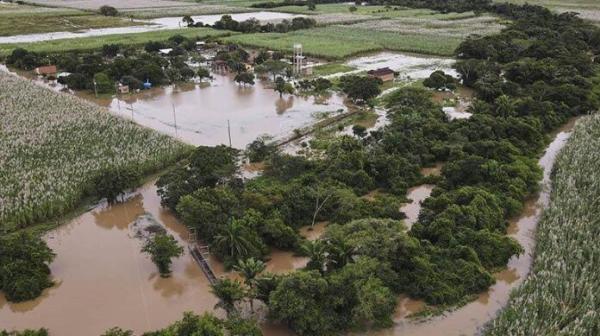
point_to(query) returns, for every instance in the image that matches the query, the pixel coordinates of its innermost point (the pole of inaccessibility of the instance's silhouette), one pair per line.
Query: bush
(112, 182)
(108, 11)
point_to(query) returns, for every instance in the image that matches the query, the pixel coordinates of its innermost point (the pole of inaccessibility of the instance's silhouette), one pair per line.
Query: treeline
(275, 4)
(440, 5)
(252, 25)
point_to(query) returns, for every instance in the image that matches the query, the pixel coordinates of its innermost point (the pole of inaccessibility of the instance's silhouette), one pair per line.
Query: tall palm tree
(250, 269)
(232, 239)
(317, 253)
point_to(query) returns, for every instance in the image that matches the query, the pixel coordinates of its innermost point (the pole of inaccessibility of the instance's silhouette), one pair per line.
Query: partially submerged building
(385, 74)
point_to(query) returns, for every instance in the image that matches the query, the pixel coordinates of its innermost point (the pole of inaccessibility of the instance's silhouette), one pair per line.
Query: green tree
(162, 248)
(188, 20)
(245, 78)
(108, 11)
(24, 271)
(360, 88)
(236, 241)
(203, 73)
(282, 86)
(113, 182)
(229, 293)
(103, 84)
(116, 331)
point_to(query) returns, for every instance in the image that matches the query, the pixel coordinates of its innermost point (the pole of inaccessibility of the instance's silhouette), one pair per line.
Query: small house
(48, 70)
(385, 74)
(200, 45)
(165, 51)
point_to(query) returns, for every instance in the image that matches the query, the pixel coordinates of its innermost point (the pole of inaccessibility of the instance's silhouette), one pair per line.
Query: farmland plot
(54, 145)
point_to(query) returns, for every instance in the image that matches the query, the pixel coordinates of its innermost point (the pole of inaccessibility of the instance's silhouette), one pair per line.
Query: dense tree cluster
(441, 5)
(275, 4)
(24, 271)
(252, 25)
(27, 332)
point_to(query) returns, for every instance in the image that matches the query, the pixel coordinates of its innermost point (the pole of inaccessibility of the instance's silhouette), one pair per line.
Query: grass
(331, 68)
(54, 145)
(338, 42)
(96, 42)
(23, 19)
(378, 11)
(560, 296)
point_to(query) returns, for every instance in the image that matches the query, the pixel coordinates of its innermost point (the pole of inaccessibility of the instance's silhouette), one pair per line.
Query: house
(48, 70)
(165, 51)
(123, 88)
(385, 74)
(200, 45)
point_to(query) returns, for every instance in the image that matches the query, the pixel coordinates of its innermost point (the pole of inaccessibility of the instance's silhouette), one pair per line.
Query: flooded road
(198, 113)
(103, 280)
(144, 26)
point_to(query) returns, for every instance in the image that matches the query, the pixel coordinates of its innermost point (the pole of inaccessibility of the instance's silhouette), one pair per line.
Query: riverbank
(561, 294)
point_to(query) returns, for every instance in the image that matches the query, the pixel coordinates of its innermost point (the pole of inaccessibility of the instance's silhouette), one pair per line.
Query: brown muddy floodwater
(103, 280)
(198, 113)
(411, 210)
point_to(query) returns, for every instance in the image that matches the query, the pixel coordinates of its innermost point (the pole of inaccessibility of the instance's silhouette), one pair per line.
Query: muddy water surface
(103, 280)
(411, 210)
(198, 113)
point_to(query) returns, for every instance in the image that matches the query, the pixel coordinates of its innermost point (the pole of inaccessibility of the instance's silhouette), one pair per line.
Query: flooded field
(144, 26)
(103, 280)
(198, 113)
(408, 66)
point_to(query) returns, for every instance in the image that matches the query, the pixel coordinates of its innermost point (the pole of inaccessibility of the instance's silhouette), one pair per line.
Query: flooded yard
(144, 26)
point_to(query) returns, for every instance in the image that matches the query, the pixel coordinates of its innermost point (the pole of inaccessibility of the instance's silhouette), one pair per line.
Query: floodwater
(145, 26)
(408, 66)
(411, 210)
(103, 280)
(198, 113)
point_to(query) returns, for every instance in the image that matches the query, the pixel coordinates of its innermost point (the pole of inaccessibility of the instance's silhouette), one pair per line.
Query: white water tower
(298, 59)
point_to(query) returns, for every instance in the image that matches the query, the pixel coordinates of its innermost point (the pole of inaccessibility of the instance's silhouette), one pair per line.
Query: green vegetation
(24, 271)
(22, 19)
(163, 248)
(55, 146)
(336, 42)
(331, 68)
(560, 294)
(96, 42)
(28, 332)
(208, 325)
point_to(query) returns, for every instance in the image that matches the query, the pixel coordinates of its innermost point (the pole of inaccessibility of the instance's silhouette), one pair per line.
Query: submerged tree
(229, 293)
(282, 86)
(162, 248)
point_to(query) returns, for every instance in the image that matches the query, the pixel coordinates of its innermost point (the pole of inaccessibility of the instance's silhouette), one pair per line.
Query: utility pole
(131, 104)
(174, 119)
(229, 132)
(95, 89)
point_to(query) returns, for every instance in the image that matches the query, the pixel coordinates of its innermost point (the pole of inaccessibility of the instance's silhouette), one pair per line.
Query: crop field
(23, 19)
(377, 11)
(151, 13)
(560, 297)
(54, 145)
(336, 42)
(119, 4)
(481, 25)
(96, 42)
